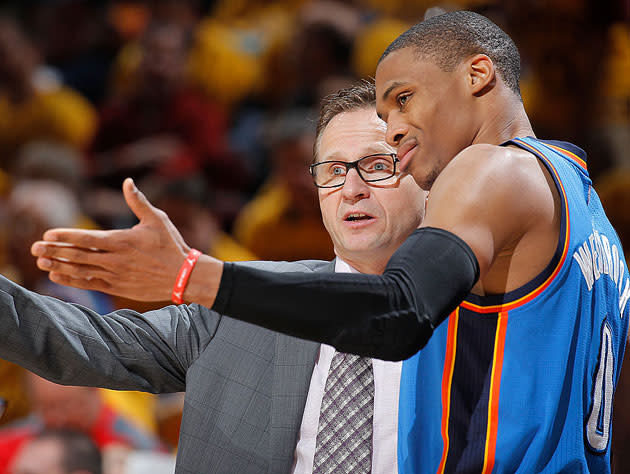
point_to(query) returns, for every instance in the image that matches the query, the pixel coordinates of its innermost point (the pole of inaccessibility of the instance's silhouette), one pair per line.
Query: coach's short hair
(359, 96)
(450, 38)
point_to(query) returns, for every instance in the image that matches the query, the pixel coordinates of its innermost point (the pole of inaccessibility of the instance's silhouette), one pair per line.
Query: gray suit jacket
(245, 386)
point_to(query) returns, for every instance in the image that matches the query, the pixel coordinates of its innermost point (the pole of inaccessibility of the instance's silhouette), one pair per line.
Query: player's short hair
(359, 96)
(450, 38)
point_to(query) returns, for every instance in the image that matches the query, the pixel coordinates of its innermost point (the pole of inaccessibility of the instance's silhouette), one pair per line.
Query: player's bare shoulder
(491, 170)
(502, 185)
(502, 202)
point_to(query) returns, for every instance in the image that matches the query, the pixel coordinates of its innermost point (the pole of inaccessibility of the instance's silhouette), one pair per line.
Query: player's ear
(481, 74)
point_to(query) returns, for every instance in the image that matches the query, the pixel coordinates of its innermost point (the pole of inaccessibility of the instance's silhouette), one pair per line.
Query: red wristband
(184, 274)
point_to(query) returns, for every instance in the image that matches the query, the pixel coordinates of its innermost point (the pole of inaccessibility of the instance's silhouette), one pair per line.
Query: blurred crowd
(210, 106)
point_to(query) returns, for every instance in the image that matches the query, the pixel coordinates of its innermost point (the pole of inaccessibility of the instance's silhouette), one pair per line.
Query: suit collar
(295, 360)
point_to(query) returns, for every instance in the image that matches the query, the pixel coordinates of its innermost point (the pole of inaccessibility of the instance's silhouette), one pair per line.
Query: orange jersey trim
(568, 154)
(565, 248)
(495, 386)
(447, 379)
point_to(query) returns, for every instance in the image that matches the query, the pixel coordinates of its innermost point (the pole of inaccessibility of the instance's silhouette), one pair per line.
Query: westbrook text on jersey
(598, 257)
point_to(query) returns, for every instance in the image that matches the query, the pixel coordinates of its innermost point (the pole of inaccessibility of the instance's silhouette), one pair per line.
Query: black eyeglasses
(332, 174)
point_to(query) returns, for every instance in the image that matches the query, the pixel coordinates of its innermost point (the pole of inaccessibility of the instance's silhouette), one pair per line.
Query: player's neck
(503, 120)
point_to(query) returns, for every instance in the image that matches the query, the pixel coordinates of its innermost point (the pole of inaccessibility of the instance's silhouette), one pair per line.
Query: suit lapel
(293, 368)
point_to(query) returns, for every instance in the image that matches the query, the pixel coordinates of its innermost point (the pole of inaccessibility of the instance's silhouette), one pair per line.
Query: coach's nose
(354, 189)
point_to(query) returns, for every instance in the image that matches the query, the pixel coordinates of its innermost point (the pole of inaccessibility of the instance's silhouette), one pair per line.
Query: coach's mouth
(357, 216)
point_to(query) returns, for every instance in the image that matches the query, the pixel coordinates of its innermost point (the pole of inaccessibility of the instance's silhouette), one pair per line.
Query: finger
(103, 240)
(137, 201)
(74, 255)
(86, 272)
(93, 284)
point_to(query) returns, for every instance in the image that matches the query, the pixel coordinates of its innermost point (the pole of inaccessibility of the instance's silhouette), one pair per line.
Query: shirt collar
(343, 267)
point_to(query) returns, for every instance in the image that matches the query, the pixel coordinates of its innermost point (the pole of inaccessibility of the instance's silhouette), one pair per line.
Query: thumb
(137, 202)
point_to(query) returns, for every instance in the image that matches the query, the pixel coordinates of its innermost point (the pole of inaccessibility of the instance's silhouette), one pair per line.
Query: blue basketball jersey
(523, 382)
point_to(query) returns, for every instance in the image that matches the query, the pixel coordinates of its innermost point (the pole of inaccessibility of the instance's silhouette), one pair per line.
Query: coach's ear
(481, 74)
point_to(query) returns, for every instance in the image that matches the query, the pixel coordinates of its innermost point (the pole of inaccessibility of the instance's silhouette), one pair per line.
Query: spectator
(283, 221)
(12, 401)
(33, 105)
(322, 49)
(189, 201)
(614, 113)
(614, 191)
(58, 452)
(161, 127)
(50, 161)
(370, 43)
(77, 39)
(77, 408)
(33, 206)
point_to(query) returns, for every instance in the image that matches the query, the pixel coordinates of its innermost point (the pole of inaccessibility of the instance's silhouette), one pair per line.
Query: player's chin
(424, 178)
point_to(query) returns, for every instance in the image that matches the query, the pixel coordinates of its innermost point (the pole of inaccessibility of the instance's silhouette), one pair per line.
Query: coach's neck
(372, 264)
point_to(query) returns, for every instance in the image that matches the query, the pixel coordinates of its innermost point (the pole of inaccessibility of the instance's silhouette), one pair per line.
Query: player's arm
(491, 197)
(388, 316)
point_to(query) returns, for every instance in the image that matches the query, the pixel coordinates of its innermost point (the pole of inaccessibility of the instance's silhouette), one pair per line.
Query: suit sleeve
(389, 316)
(73, 345)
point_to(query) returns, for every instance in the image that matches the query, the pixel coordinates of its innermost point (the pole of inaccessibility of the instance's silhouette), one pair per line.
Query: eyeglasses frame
(353, 165)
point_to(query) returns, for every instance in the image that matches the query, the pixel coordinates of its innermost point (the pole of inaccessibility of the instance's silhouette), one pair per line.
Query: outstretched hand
(140, 263)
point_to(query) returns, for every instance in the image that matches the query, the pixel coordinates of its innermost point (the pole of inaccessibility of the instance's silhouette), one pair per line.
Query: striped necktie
(344, 435)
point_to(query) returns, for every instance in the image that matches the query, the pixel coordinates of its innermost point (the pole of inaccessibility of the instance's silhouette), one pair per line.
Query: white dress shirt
(385, 422)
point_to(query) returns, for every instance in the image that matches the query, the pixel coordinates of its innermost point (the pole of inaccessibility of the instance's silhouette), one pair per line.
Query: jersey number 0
(598, 424)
